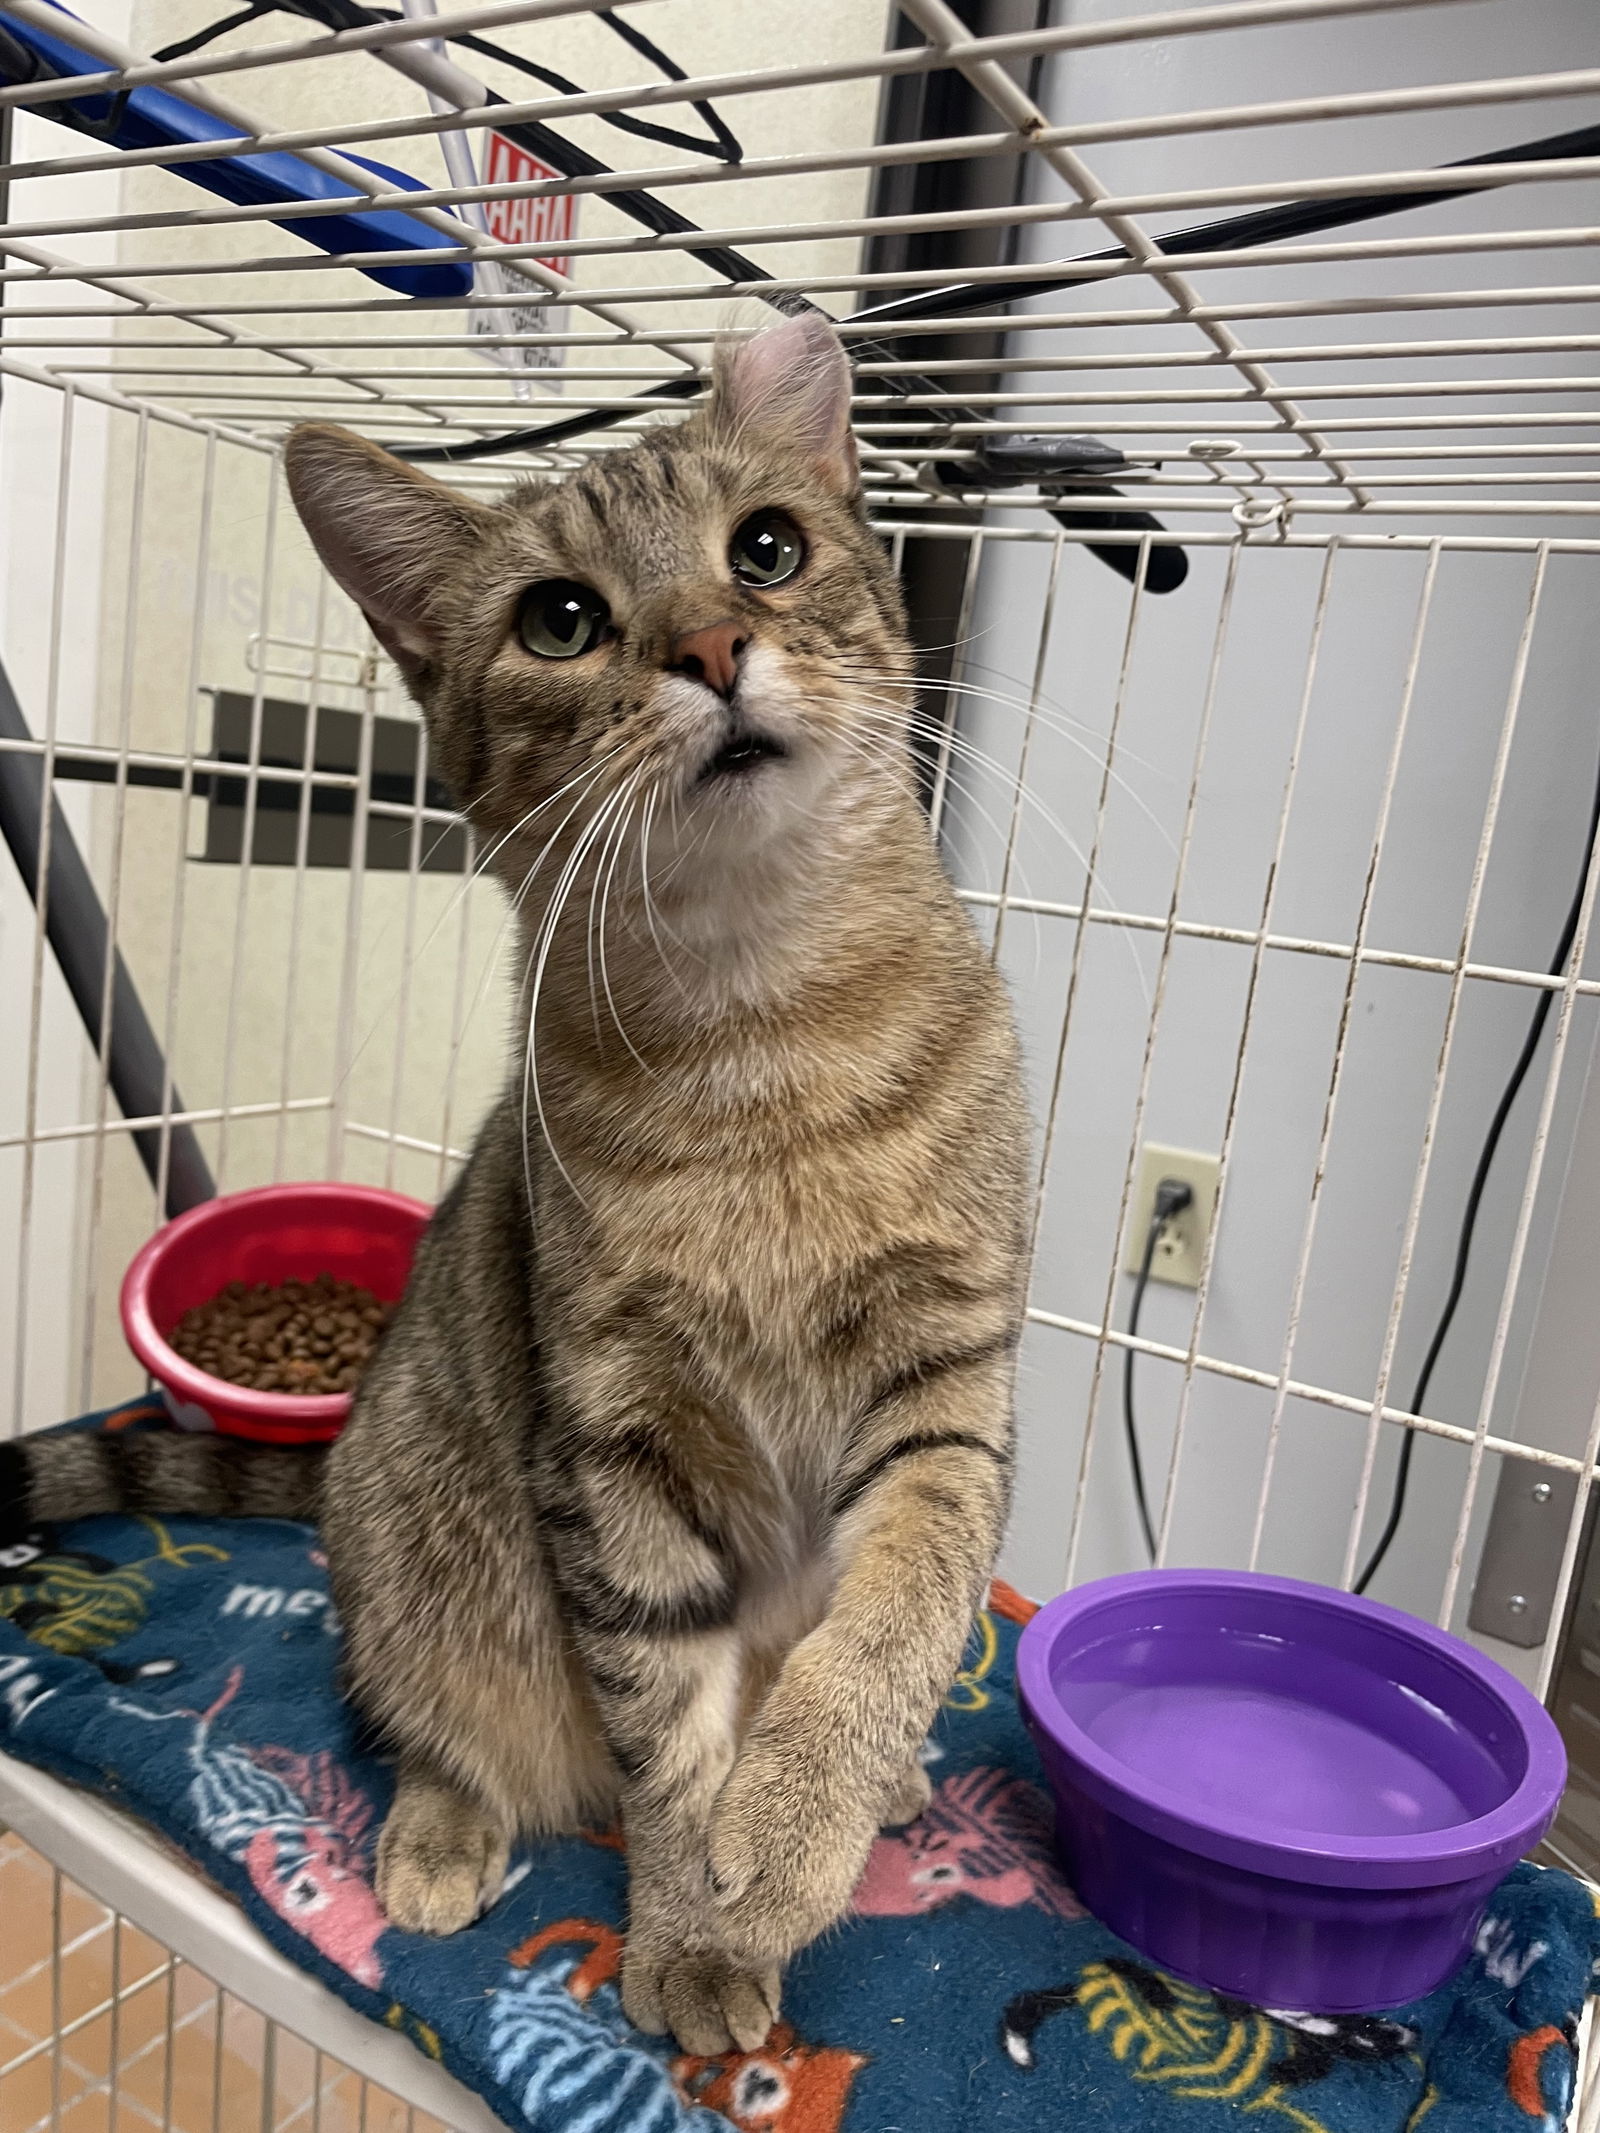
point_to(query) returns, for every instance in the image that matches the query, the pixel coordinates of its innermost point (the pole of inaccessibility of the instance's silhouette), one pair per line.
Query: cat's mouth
(740, 754)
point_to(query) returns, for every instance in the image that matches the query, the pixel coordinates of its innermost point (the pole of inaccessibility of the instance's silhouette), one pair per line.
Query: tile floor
(102, 2031)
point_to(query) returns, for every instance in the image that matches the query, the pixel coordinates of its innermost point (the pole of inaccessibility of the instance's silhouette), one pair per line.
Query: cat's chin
(756, 812)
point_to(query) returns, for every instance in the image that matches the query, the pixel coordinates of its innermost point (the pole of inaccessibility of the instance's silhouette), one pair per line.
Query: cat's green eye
(561, 619)
(766, 549)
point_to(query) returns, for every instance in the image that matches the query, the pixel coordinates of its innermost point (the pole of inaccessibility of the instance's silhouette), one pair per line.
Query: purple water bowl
(1278, 1790)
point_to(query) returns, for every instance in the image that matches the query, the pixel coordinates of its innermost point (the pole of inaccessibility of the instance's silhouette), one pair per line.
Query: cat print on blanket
(892, 2018)
(80, 1603)
(1206, 2046)
(1541, 2075)
(984, 1834)
(561, 2043)
(298, 1825)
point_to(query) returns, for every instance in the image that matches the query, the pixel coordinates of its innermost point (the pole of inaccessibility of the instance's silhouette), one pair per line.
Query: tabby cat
(677, 1478)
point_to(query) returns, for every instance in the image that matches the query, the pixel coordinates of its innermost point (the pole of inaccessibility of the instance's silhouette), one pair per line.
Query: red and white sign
(550, 219)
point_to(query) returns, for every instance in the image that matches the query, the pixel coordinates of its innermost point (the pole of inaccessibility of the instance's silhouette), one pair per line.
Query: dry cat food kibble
(289, 1336)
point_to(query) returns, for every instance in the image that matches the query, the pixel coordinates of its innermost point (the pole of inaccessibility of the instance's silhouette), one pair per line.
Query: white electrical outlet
(1181, 1245)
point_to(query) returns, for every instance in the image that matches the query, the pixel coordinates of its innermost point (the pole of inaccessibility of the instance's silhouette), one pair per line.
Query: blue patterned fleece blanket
(186, 1671)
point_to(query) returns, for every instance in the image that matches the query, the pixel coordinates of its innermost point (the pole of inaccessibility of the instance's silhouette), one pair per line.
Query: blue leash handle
(153, 118)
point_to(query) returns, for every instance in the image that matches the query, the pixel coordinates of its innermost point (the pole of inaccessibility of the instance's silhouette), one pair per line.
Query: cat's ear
(792, 383)
(385, 532)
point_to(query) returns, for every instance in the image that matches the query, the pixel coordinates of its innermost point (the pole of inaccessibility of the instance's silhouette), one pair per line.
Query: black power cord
(1172, 1197)
(1480, 1179)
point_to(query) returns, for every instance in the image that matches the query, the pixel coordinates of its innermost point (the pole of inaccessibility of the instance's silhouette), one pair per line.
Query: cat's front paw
(711, 2002)
(440, 1861)
(787, 1849)
(908, 1798)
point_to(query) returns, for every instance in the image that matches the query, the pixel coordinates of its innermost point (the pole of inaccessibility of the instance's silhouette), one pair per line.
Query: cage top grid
(1414, 404)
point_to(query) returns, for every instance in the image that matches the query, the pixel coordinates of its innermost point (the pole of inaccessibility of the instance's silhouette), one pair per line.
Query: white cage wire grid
(1274, 862)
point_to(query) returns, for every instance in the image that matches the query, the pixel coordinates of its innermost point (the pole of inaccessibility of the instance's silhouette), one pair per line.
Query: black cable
(213, 30)
(721, 144)
(1480, 1179)
(1172, 1197)
(631, 34)
(670, 390)
(1265, 225)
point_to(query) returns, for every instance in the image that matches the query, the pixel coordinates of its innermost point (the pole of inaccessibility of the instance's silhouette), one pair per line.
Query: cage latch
(1067, 467)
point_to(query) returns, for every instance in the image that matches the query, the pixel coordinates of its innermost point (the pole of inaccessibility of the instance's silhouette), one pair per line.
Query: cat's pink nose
(711, 655)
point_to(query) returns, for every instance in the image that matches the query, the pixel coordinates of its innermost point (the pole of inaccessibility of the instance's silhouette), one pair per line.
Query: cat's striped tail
(45, 1480)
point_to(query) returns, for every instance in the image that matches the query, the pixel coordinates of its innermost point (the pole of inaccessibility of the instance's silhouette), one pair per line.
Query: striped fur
(680, 1471)
(82, 1474)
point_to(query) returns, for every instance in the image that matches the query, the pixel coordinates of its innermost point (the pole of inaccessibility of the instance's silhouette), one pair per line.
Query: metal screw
(1541, 1492)
(1517, 1605)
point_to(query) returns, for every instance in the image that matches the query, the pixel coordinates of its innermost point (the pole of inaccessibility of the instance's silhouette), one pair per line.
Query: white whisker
(613, 832)
(875, 753)
(894, 719)
(650, 913)
(473, 875)
(605, 897)
(547, 934)
(1058, 725)
(515, 903)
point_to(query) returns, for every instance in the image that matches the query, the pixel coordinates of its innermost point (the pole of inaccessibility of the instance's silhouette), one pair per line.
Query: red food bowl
(276, 1233)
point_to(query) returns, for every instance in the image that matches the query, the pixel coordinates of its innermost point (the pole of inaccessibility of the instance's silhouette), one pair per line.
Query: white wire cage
(1275, 859)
